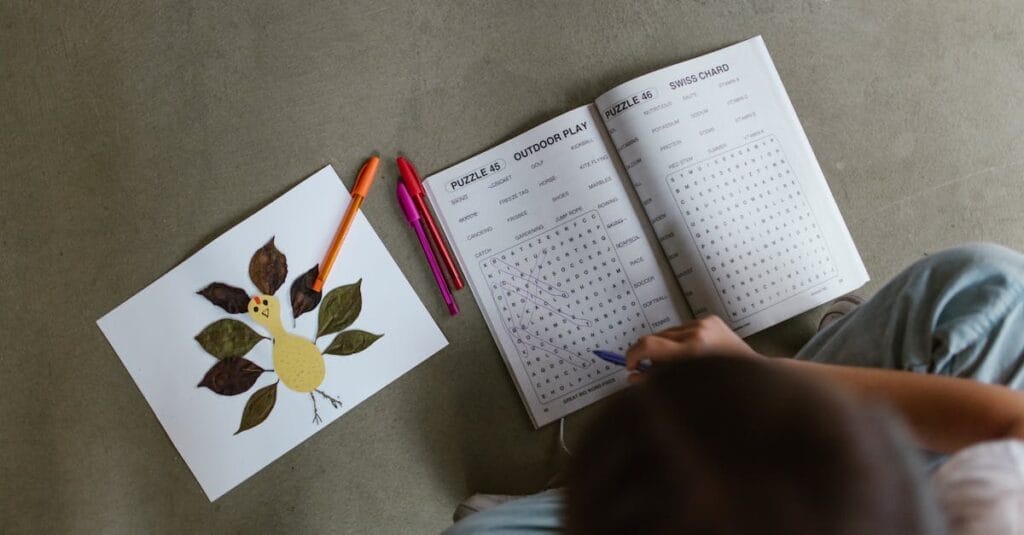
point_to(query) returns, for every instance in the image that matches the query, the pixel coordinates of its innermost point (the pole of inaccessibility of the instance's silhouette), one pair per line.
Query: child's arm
(944, 413)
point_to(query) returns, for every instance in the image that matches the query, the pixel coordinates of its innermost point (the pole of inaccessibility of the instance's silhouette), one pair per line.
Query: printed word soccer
(561, 295)
(753, 227)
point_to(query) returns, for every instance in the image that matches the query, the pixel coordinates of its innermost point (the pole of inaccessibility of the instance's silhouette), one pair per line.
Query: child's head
(725, 445)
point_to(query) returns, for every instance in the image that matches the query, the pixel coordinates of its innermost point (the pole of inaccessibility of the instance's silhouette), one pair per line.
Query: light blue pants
(959, 313)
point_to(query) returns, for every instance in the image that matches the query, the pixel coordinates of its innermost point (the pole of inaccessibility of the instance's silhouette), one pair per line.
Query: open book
(692, 185)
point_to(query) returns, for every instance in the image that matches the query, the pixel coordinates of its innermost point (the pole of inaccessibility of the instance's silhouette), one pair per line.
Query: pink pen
(413, 217)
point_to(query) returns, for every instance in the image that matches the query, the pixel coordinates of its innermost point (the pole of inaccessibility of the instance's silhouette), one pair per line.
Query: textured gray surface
(131, 133)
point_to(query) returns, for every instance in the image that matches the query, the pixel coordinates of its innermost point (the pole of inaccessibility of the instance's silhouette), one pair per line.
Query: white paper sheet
(153, 334)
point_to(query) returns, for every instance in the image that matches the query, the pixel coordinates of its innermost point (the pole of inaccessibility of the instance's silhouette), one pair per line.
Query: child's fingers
(679, 331)
(679, 334)
(654, 348)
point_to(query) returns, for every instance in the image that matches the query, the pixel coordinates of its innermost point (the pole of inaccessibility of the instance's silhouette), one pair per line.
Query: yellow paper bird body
(297, 361)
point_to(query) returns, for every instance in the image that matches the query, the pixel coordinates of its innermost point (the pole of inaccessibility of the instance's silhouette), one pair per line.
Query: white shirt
(981, 489)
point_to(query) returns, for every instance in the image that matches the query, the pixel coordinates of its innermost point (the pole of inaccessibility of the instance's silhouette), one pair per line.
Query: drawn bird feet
(316, 414)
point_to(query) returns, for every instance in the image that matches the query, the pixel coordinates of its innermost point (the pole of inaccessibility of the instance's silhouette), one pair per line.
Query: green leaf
(304, 297)
(340, 308)
(229, 377)
(268, 268)
(351, 342)
(258, 407)
(228, 338)
(232, 300)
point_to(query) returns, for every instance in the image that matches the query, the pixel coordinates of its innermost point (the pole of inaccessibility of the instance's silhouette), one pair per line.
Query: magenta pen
(413, 217)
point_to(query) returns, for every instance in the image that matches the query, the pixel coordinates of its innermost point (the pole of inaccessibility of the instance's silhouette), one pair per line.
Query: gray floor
(131, 133)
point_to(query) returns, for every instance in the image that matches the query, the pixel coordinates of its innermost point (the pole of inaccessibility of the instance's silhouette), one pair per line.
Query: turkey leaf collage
(228, 340)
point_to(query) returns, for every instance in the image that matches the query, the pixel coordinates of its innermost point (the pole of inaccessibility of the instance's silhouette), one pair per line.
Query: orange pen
(359, 191)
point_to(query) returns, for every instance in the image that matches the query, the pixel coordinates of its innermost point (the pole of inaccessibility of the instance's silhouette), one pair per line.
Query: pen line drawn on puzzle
(560, 295)
(759, 242)
(554, 351)
(298, 362)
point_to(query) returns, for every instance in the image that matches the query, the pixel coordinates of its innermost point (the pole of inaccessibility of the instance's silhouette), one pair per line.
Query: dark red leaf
(268, 268)
(304, 297)
(233, 300)
(231, 376)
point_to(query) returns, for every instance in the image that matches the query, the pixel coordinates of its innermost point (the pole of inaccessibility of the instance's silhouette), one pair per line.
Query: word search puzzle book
(692, 187)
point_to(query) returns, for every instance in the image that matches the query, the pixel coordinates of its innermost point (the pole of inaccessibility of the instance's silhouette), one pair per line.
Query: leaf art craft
(298, 361)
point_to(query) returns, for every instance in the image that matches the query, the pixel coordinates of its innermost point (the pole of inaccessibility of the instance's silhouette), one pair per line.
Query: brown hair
(725, 445)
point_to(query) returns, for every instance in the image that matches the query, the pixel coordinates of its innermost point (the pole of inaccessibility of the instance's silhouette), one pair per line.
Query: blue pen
(615, 358)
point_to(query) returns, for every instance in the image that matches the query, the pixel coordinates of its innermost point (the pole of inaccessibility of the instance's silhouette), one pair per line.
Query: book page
(556, 252)
(729, 182)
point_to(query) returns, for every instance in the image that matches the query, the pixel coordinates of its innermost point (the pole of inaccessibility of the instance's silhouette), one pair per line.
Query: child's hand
(698, 338)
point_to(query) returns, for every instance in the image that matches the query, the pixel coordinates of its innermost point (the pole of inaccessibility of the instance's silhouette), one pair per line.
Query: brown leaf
(229, 377)
(258, 407)
(304, 297)
(227, 338)
(268, 268)
(231, 299)
(340, 308)
(351, 342)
